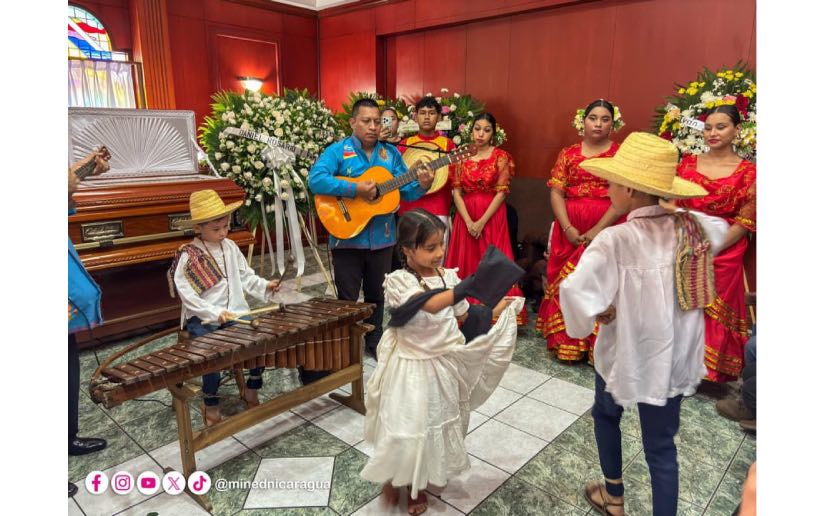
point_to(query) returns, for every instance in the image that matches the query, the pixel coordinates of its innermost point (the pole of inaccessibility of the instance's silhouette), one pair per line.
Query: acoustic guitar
(344, 218)
(425, 152)
(87, 168)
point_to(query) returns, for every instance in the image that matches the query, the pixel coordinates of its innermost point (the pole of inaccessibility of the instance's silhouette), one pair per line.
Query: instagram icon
(96, 482)
(122, 483)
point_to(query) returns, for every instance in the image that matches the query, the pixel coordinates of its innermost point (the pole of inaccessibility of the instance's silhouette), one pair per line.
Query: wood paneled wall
(534, 63)
(212, 42)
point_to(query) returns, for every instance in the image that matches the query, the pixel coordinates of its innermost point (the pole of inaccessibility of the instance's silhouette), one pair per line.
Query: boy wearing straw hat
(646, 282)
(211, 277)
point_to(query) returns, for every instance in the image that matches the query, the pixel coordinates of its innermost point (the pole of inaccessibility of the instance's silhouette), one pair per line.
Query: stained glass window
(88, 38)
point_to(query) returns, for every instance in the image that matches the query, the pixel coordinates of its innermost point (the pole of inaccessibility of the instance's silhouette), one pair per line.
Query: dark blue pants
(659, 426)
(212, 381)
(74, 387)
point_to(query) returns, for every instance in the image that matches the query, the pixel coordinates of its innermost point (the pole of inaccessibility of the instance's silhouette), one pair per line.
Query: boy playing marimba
(211, 277)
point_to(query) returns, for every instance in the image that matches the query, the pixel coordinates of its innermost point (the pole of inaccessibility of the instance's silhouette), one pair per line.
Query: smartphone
(386, 122)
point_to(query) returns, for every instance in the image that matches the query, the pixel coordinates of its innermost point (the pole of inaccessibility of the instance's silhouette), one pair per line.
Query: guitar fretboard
(412, 174)
(85, 170)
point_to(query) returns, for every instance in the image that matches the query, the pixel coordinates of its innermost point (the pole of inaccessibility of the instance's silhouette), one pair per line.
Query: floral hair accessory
(578, 120)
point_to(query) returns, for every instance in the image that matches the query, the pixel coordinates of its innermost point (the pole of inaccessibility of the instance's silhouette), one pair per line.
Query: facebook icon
(97, 482)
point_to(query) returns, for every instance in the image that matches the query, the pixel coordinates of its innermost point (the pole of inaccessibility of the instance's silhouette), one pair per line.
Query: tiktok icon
(199, 482)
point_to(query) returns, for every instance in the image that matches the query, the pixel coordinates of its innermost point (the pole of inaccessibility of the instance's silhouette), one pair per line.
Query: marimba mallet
(253, 323)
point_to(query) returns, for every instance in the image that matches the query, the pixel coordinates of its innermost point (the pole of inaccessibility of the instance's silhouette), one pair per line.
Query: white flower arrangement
(680, 118)
(294, 118)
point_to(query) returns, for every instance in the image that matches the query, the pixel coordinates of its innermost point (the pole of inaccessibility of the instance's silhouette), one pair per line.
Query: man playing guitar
(83, 308)
(366, 257)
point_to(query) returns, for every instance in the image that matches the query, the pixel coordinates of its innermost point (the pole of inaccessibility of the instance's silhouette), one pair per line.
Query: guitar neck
(412, 174)
(85, 170)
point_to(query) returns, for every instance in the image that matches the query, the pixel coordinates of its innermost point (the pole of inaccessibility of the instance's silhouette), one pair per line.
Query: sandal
(417, 506)
(389, 495)
(251, 400)
(602, 508)
(209, 421)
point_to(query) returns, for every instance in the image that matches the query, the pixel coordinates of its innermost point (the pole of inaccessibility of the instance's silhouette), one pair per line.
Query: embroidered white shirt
(224, 295)
(653, 350)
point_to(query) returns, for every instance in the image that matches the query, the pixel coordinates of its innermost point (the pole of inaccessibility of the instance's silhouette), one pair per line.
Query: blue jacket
(84, 294)
(347, 158)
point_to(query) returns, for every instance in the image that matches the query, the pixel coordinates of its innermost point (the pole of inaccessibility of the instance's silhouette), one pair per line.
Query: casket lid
(145, 144)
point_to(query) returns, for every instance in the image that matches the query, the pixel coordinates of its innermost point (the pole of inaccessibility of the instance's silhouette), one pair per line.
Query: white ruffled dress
(427, 381)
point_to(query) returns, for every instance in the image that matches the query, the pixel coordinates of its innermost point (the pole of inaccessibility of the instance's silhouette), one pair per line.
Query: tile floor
(531, 448)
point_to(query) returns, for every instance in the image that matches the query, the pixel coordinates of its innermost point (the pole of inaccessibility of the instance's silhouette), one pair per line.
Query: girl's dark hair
(490, 118)
(414, 228)
(599, 103)
(729, 110)
(389, 108)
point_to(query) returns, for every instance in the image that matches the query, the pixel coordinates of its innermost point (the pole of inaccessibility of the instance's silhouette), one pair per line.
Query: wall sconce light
(251, 83)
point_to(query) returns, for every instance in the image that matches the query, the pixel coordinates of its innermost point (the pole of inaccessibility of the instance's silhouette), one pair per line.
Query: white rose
(456, 95)
(452, 107)
(279, 132)
(247, 175)
(218, 155)
(456, 139)
(236, 169)
(230, 144)
(251, 147)
(224, 166)
(284, 183)
(285, 196)
(266, 181)
(470, 113)
(259, 197)
(304, 172)
(248, 202)
(258, 165)
(301, 195)
(244, 126)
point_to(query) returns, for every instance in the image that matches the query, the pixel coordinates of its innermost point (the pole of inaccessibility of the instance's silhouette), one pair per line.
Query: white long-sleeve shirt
(653, 350)
(224, 295)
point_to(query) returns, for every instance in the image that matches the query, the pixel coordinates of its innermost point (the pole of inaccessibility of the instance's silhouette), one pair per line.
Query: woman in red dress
(480, 185)
(581, 209)
(731, 185)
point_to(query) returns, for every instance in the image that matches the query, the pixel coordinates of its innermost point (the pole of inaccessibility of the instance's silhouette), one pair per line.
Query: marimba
(320, 334)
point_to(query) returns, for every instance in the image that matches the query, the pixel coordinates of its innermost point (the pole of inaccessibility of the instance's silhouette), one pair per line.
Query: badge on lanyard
(383, 153)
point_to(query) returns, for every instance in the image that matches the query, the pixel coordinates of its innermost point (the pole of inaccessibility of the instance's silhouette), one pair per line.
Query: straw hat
(646, 163)
(206, 205)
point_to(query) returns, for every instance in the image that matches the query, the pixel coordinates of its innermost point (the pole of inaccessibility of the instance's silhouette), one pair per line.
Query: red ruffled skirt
(726, 320)
(465, 252)
(583, 213)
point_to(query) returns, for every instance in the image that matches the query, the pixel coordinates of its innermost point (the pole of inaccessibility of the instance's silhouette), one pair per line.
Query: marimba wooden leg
(355, 401)
(181, 396)
(239, 379)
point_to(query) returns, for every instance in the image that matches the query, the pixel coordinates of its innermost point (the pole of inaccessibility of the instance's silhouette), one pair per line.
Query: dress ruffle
(418, 410)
